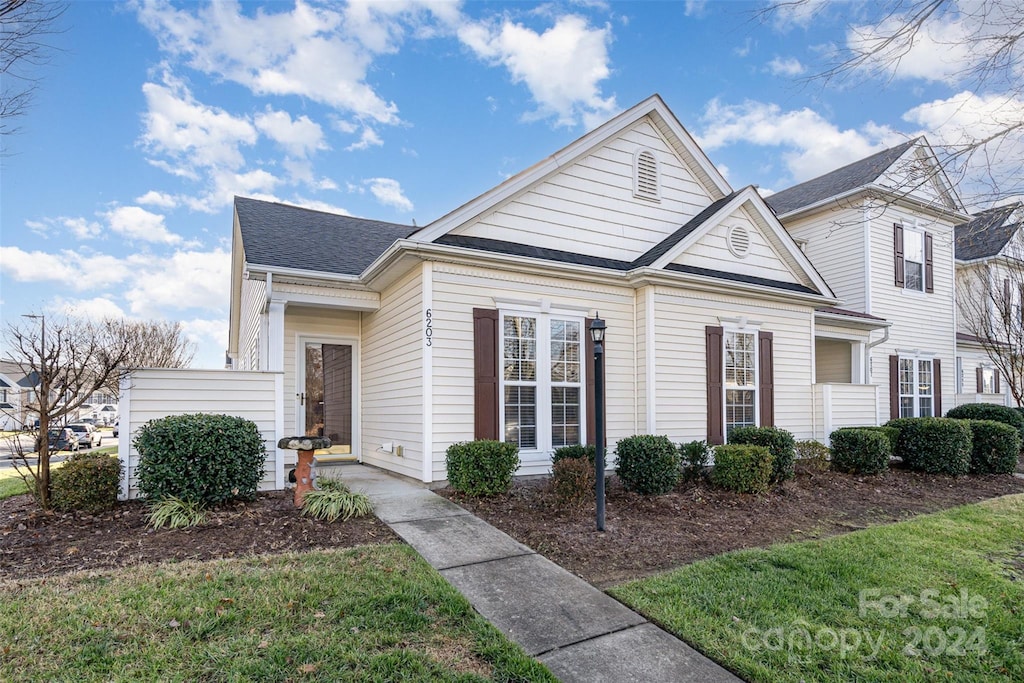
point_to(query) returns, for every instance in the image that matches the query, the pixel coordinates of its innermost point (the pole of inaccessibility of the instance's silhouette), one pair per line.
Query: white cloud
(744, 50)
(300, 137)
(183, 280)
(68, 268)
(136, 223)
(81, 228)
(388, 192)
(159, 199)
(562, 67)
(369, 138)
(318, 205)
(811, 145)
(790, 66)
(941, 50)
(97, 308)
(787, 15)
(208, 333)
(695, 8)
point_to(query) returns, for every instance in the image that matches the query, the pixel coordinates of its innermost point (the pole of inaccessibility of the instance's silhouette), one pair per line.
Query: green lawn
(939, 597)
(11, 484)
(375, 613)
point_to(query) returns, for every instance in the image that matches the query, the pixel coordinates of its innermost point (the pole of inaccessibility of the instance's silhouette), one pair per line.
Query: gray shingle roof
(838, 182)
(987, 233)
(663, 247)
(284, 236)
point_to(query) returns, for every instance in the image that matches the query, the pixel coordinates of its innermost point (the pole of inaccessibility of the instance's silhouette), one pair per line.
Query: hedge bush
(989, 411)
(813, 455)
(575, 451)
(573, 481)
(200, 458)
(937, 445)
(779, 443)
(995, 447)
(696, 456)
(891, 433)
(860, 451)
(482, 468)
(647, 464)
(743, 468)
(88, 482)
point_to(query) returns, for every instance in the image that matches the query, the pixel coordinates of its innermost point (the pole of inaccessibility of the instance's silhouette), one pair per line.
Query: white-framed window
(740, 375)
(917, 389)
(988, 380)
(913, 260)
(542, 377)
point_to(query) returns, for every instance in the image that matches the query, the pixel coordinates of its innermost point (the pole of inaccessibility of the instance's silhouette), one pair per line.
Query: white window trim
(741, 326)
(636, 176)
(919, 231)
(959, 374)
(917, 358)
(543, 415)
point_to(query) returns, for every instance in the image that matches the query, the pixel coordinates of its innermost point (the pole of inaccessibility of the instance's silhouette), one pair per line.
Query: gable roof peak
(988, 232)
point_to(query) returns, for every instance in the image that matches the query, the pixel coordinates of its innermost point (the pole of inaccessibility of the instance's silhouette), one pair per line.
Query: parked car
(62, 439)
(88, 437)
(115, 428)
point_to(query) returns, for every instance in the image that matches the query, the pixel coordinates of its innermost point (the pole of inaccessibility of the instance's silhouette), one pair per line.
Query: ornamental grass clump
(482, 468)
(176, 513)
(647, 464)
(334, 500)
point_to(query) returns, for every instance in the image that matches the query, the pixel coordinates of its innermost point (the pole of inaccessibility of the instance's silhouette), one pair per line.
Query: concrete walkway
(574, 629)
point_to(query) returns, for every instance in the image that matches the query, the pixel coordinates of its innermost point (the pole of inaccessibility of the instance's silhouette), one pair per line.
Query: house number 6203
(428, 330)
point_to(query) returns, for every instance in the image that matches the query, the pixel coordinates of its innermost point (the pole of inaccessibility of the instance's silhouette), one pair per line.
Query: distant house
(17, 391)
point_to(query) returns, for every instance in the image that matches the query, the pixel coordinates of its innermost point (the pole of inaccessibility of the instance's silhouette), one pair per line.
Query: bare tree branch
(25, 29)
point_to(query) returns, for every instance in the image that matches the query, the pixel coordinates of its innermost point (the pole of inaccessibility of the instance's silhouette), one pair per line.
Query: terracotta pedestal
(305, 445)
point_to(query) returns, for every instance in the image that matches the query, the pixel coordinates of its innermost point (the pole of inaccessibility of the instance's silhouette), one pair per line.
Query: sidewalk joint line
(495, 559)
(586, 640)
(426, 519)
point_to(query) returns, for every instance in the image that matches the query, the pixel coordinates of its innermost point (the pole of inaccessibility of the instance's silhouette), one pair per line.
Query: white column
(278, 430)
(651, 369)
(427, 342)
(826, 411)
(124, 435)
(275, 337)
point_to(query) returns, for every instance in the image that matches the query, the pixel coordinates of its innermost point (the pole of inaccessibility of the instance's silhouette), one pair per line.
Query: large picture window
(740, 380)
(542, 381)
(917, 393)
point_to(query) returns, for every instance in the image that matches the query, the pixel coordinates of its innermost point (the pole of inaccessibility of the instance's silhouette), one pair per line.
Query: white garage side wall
(323, 324)
(458, 290)
(835, 245)
(589, 208)
(920, 321)
(392, 378)
(151, 394)
(254, 298)
(681, 393)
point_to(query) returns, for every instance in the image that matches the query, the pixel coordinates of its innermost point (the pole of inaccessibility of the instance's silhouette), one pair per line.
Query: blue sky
(116, 194)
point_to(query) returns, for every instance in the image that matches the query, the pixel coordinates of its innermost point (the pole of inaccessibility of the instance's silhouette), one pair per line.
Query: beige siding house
(396, 341)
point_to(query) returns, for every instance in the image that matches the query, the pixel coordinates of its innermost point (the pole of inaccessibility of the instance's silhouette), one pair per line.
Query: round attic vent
(739, 241)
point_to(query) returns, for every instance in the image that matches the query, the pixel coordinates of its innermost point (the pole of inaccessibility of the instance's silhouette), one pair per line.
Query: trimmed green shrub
(743, 468)
(87, 482)
(989, 411)
(482, 468)
(647, 464)
(575, 451)
(203, 458)
(860, 451)
(995, 447)
(696, 456)
(572, 481)
(813, 455)
(891, 433)
(937, 445)
(779, 443)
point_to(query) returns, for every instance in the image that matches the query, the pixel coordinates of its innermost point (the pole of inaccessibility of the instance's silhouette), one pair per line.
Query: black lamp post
(597, 328)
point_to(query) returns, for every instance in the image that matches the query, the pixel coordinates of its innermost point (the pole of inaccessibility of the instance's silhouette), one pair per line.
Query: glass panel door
(327, 399)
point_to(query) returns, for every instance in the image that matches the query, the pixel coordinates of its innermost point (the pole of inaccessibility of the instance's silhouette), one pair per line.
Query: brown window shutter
(766, 381)
(894, 387)
(897, 242)
(995, 382)
(980, 374)
(1007, 297)
(716, 399)
(591, 398)
(929, 272)
(937, 386)
(485, 362)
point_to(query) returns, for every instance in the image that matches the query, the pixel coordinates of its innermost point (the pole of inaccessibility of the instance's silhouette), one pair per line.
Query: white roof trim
(748, 194)
(653, 105)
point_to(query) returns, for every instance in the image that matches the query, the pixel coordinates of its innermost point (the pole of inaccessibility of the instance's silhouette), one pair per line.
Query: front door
(327, 400)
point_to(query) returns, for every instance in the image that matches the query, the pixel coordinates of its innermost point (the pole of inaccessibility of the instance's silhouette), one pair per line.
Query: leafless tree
(987, 36)
(153, 344)
(991, 307)
(70, 359)
(25, 29)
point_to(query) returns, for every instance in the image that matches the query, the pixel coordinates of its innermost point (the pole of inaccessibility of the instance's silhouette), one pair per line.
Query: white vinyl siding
(160, 393)
(392, 384)
(834, 242)
(254, 298)
(681, 400)
(589, 206)
(457, 290)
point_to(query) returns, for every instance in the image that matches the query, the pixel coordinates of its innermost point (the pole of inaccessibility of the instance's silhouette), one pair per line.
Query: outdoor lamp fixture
(597, 328)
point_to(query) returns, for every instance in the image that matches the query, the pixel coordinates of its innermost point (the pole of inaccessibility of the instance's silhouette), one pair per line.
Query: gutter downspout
(867, 354)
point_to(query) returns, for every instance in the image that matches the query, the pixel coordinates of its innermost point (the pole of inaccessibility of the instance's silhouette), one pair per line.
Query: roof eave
(840, 320)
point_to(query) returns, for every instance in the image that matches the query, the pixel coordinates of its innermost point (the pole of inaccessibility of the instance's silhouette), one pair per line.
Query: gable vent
(739, 241)
(646, 175)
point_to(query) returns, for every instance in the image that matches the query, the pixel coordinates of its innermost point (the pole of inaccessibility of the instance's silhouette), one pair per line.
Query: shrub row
(88, 482)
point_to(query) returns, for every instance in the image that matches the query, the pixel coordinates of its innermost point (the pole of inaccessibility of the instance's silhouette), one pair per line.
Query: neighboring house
(397, 341)
(990, 287)
(17, 391)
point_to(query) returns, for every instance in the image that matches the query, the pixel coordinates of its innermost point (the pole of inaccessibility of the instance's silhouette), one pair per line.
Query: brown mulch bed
(35, 544)
(644, 535)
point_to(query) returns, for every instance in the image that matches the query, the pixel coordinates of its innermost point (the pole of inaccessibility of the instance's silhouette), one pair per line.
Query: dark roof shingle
(986, 233)
(283, 236)
(838, 182)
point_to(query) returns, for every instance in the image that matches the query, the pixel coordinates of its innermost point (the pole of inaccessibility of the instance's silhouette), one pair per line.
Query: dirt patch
(33, 543)
(645, 535)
